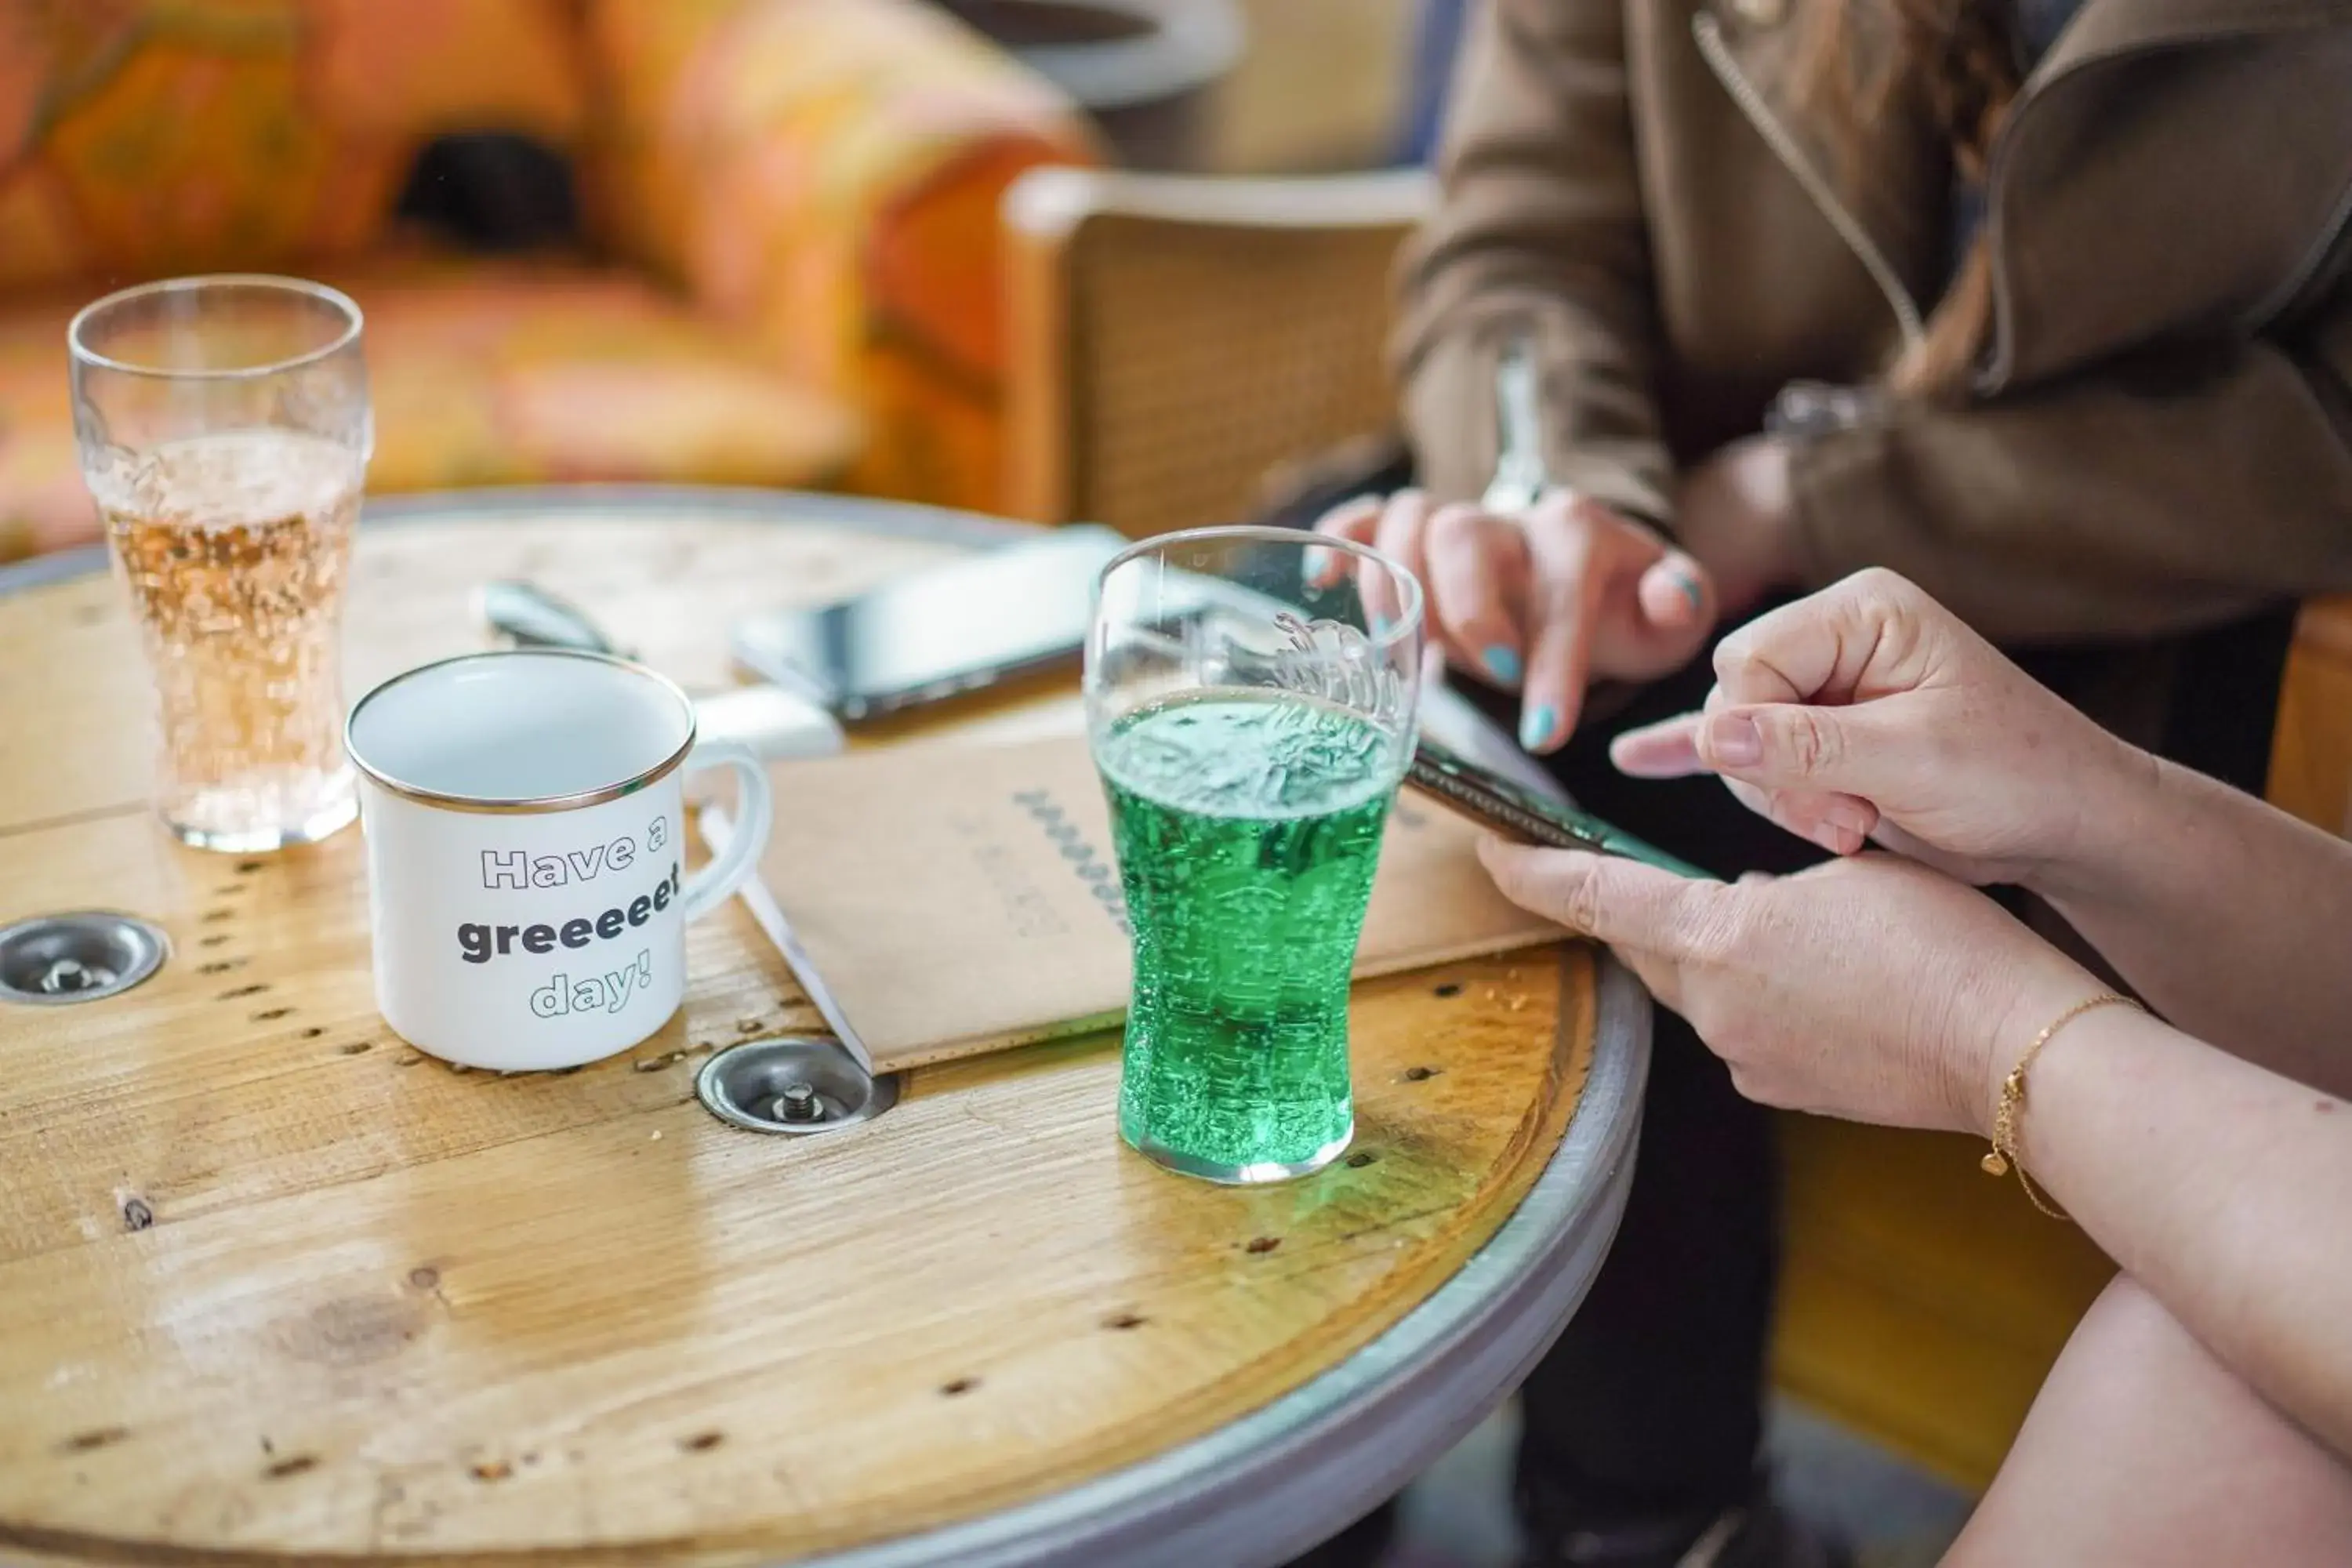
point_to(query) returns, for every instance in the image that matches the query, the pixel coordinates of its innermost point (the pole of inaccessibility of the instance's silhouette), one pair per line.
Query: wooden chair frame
(1064, 227)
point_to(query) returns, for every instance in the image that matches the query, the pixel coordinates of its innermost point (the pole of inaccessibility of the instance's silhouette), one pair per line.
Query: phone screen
(953, 628)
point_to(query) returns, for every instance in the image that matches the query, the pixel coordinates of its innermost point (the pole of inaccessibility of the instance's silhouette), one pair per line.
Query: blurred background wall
(1321, 85)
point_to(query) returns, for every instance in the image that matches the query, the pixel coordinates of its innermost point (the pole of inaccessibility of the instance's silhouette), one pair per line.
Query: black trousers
(1650, 1402)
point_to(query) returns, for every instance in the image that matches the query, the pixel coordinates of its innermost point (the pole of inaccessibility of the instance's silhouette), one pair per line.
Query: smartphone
(1517, 812)
(1008, 612)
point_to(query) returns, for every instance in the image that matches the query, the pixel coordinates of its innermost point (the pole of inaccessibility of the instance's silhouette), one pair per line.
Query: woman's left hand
(1869, 988)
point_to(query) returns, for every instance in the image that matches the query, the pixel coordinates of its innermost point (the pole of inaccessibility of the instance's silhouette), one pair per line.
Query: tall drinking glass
(1250, 699)
(224, 429)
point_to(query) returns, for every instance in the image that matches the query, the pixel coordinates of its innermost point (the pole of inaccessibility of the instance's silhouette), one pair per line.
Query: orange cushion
(481, 373)
(144, 138)
(826, 173)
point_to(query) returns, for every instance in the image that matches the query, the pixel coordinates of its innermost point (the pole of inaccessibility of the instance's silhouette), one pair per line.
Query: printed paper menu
(952, 899)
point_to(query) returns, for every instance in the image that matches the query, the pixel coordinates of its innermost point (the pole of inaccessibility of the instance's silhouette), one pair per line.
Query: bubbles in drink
(1258, 753)
(235, 548)
(1248, 827)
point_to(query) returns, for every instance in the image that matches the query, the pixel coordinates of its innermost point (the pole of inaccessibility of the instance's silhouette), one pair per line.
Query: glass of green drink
(1250, 699)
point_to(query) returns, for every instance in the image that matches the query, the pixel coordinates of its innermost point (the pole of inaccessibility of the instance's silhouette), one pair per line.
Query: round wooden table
(275, 1289)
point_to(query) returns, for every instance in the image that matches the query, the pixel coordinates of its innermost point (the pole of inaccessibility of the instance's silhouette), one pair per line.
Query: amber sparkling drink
(224, 433)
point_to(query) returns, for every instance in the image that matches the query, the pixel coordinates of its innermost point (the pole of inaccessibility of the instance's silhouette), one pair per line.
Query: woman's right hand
(1868, 711)
(1543, 602)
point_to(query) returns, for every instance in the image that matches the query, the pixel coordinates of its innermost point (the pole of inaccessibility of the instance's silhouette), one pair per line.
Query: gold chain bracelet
(2004, 1153)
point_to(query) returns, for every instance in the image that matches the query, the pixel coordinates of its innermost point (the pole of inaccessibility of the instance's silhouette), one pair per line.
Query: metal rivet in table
(792, 1084)
(84, 956)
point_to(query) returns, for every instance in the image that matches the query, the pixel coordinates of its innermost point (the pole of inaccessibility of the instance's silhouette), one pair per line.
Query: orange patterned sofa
(787, 273)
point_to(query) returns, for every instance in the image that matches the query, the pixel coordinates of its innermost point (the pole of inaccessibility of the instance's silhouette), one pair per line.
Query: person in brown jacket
(2045, 304)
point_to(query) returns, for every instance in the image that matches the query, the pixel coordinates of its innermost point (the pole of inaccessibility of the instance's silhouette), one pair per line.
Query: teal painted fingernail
(1690, 590)
(1534, 726)
(1502, 662)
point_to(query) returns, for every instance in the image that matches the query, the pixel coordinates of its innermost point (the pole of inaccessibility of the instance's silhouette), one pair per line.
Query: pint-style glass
(224, 431)
(1250, 699)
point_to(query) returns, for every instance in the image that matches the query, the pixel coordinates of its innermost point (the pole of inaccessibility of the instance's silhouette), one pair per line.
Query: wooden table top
(275, 1288)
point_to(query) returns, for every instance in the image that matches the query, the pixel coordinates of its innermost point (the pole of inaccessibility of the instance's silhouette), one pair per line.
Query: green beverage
(1247, 824)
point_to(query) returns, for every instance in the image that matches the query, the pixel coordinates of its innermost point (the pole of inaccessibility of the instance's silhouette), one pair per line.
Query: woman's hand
(1868, 711)
(1869, 988)
(1545, 602)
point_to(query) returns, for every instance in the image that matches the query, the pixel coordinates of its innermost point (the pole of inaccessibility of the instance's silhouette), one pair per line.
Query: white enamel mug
(526, 844)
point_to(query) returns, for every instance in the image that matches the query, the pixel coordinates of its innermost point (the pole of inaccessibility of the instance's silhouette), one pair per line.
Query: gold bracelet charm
(2003, 1153)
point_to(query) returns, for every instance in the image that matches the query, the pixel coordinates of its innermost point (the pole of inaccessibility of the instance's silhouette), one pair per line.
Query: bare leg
(2143, 1450)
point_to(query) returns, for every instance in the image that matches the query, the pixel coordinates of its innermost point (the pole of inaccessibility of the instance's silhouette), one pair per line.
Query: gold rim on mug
(529, 805)
(335, 299)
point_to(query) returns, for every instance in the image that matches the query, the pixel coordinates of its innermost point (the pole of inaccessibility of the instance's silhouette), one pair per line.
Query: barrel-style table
(276, 1288)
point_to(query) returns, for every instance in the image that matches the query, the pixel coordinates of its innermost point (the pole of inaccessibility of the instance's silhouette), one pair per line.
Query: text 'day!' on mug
(526, 844)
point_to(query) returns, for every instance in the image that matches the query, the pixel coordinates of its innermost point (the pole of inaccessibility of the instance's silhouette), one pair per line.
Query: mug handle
(755, 811)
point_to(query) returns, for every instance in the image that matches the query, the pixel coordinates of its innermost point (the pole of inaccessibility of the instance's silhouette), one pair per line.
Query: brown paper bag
(943, 900)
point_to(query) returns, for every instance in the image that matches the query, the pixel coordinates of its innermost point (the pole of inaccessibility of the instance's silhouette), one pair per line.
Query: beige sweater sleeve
(2127, 502)
(1539, 233)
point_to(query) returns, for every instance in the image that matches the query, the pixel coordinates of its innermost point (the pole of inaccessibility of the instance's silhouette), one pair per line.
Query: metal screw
(799, 1103)
(71, 975)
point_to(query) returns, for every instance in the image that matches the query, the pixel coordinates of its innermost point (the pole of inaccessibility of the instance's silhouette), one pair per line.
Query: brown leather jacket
(2161, 433)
